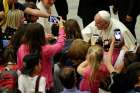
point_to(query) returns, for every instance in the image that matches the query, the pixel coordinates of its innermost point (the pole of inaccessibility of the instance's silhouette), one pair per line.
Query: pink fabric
(48, 51)
(94, 87)
(115, 55)
(1, 68)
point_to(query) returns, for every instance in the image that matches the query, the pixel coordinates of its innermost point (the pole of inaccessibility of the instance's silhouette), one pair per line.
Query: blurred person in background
(30, 18)
(7, 5)
(46, 6)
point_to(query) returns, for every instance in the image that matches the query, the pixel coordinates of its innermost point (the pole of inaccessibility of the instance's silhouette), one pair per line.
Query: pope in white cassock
(104, 26)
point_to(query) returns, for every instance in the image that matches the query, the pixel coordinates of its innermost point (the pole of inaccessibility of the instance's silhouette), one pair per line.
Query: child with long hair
(34, 40)
(93, 70)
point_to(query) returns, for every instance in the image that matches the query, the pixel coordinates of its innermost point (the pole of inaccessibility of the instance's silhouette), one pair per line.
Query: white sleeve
(53, 11)
(87, 32)
(44, 22)
(129, 40)
(21, 83)
(119, 62)
(42, 85)
(41, 21)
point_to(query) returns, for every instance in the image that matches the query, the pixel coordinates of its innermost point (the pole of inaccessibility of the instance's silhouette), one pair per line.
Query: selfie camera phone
(106, 45)
(96, 36)
(53, 19)
(117, 34)
(98, 39)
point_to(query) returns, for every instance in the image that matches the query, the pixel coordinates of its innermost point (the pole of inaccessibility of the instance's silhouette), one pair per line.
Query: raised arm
(108, 58)
(58, 46)
(36, 12)
(82, 67)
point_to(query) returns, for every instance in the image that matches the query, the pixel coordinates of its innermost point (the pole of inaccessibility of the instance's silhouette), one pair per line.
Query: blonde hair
(13, 18)
(95, 58)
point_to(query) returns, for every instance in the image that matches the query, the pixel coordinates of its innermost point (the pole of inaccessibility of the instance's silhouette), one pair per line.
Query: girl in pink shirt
(93, 70)
(34, 40)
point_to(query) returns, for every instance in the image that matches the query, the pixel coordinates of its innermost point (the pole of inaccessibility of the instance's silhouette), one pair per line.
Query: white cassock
(91, 29)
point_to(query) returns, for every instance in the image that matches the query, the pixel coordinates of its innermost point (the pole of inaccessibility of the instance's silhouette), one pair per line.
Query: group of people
(60, 57)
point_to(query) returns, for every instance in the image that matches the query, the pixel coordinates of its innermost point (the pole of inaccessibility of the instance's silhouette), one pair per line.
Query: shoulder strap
(37, 84)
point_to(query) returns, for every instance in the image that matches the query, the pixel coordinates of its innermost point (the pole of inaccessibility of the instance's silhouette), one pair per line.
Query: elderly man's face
(100, 23)
(48, 3)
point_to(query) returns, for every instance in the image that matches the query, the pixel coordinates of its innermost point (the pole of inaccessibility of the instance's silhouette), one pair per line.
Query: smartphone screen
(53, 19)
(117, 34)
(96, 36)
(106, 45)
(5, 43)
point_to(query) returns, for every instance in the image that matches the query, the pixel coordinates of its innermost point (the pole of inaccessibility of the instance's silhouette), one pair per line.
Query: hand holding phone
(96, 39)
(117, 34)
(53, 19)
(106, 45)
(118, 37)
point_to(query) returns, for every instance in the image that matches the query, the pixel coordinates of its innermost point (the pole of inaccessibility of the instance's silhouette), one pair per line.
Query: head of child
(94, 59)
(134, 73)
(34, 37)
(131, 57)
(72, 29)
(76, 53)
(32, 65)
(15, 18)
(68, 77)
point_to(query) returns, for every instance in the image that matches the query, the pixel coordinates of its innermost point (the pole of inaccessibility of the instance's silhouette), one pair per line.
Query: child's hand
(60, 22)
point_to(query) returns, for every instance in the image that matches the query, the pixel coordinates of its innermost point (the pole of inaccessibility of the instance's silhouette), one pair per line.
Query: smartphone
(53, 19)
(96, 36)
(98, 39)
(117, 34)
(5, 43)
(106, 45)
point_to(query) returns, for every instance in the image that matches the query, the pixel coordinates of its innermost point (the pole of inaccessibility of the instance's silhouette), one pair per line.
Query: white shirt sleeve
(129, 40)
(42, 85)
(119, 61)
(87, 32)
(44, 21)
(20, 84)
(53, 11)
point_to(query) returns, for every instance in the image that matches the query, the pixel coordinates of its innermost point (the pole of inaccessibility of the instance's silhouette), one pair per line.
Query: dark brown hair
(34, 37)
(72, 29)
(67, 77)
(78, 50)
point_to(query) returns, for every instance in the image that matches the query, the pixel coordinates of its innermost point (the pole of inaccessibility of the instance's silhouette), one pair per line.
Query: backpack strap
(37, 84)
